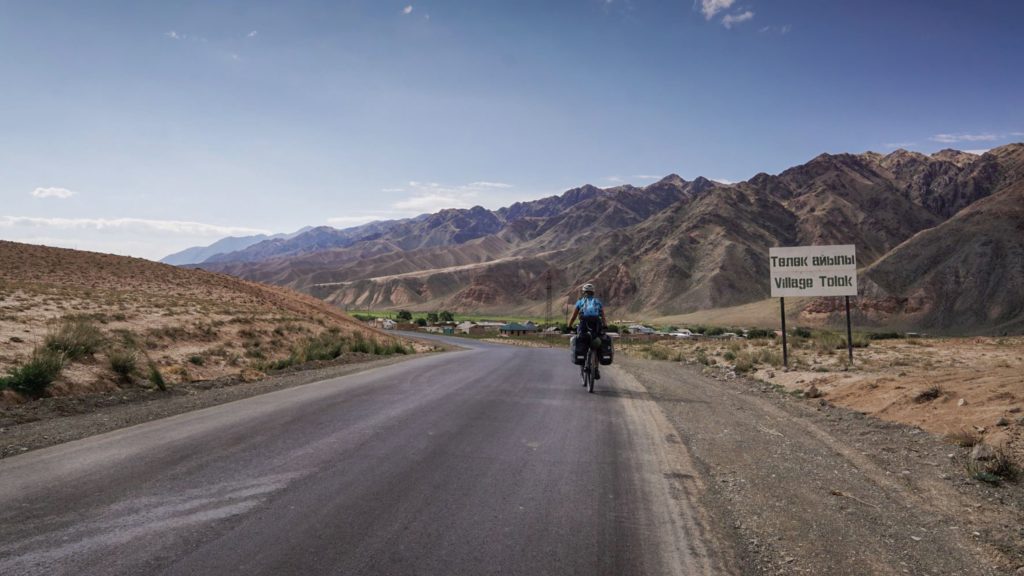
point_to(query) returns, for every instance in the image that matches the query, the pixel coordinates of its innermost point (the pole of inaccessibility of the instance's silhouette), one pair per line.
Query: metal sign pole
(785, 354)
(849, 331)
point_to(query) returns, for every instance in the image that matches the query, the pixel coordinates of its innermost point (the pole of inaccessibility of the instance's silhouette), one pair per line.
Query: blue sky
(144, 127)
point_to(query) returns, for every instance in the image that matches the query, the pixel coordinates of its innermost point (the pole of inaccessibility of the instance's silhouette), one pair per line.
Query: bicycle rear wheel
(592, 371)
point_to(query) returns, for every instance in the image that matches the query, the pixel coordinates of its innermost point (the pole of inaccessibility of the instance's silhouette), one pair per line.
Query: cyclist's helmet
(587, 288)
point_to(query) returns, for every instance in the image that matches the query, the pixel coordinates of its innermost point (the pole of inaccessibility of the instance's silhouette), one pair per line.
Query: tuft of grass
(156, 377)
(927, 395)
(197, 359)
(34, 376)
(995, 471)
(123, 361)
(360, 344)
(74, 338)
(327, 345)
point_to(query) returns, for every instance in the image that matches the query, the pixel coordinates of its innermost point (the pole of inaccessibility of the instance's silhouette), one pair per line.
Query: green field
(459, 317)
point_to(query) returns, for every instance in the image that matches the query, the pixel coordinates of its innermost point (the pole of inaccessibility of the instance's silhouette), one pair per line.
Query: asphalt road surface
(492, 460)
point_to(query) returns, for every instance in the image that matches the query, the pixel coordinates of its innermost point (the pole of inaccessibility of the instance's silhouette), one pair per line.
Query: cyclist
(590, 311)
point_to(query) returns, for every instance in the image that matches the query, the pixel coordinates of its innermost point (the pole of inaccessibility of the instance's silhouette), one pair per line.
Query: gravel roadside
(51, 421)
(804, 487)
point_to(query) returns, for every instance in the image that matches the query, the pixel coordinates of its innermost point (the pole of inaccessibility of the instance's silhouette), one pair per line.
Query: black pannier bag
(607, 354)
(578, 347)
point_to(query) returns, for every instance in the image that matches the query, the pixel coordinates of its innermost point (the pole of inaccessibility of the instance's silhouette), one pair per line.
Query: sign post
(814, 271)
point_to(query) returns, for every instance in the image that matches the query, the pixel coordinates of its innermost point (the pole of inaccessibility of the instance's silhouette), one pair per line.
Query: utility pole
(547, 277)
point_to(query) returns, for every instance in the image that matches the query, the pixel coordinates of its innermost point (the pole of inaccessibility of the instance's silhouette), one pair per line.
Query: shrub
(801, 332)
(702, 357)
(744, 363)
(729, 355)
(74, 338)
(123, 362)
(197, 359)
(421, 322)
(405, 315)
(760, 333)
(929, 394)
(34, 376)
(884, 335)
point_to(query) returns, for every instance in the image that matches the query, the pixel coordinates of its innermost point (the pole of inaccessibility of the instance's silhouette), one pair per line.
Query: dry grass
(964, 438)
(127, 311)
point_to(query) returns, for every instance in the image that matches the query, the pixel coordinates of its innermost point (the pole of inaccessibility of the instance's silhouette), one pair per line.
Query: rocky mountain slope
(678, 246)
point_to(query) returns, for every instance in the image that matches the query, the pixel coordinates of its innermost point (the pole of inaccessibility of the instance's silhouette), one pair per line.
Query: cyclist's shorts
(588, 324)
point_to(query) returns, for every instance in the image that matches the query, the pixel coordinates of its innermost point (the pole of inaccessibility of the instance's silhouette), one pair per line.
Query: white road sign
(813, 271)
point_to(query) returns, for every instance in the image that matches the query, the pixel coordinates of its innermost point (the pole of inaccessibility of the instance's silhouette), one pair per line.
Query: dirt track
(804, 487)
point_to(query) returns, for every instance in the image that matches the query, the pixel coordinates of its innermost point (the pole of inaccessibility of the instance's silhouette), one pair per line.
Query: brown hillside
(194, 325)
(673, 247)
(964, 275)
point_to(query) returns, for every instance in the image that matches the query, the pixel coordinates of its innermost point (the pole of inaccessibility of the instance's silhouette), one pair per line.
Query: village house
(516, 329)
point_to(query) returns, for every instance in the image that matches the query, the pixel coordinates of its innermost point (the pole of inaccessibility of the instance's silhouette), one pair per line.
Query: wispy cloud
(133, 224)
(490, 185)
(252, 34)
(392, 190)
(427, 202)
(615, 179)
(729, 20)
(181, 36)
(711, 7)
(723, 181)
(978, 152)
(895, 145)
(53, 193)
(953, 138)
(350, 221)
(646, 177)
(783, 30)
(407, 10)
(434, 196)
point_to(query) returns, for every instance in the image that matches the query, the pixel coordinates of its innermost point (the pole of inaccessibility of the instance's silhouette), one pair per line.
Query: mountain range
(940, 245)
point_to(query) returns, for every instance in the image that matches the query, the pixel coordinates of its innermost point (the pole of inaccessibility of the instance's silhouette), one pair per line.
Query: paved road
(492, 460)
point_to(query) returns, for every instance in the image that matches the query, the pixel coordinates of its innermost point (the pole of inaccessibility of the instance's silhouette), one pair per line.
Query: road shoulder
(801, 486)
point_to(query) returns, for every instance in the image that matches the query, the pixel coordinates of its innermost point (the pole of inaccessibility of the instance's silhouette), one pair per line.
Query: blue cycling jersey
(589, 307)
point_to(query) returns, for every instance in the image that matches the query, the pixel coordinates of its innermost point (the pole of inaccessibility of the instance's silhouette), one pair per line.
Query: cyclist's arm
(575, 313)
(604, 322)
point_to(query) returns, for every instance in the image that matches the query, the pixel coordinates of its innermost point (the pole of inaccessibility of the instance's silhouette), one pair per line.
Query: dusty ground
(802, 486)
(193, 325)
(969, 388)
